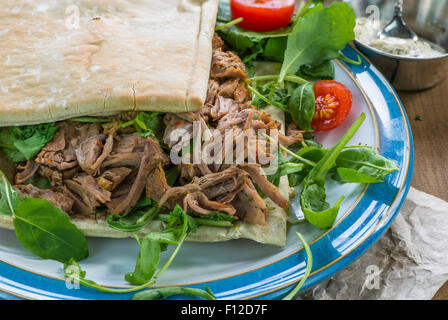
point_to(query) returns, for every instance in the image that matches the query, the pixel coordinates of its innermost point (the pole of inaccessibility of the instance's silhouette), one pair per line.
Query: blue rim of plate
(331, 253)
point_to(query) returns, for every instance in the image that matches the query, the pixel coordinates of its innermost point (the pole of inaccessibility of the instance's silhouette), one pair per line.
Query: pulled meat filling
(226, 64)
(90, 165)
(103, 165)
(224, 187)
(57, 198)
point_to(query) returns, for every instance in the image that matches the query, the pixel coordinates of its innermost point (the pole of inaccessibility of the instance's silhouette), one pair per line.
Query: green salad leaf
(309, 267)
(323, 71)
(151, 247)
(213, 219)
(284, 168)
(318, 36)
(46, 231)
(42, 228)
(141, 214)
(363, 165)
(313, 197)
(164, 293)
(310, 153)
(74, 273)
(9, 196)
(23, 143)
(148, 124)
(301, 106)
(315, 208)
(274, 49)
(153, 244)
(134, 220)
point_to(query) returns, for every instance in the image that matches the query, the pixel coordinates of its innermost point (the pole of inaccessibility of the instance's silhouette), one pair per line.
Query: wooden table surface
(431, 147)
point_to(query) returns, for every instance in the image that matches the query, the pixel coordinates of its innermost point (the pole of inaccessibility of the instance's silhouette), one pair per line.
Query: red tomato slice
(333, 104)
(262, 15)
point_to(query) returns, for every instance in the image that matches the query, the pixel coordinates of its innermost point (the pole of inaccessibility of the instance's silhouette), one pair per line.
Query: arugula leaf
(295, 96)
(178, 217)
(220, 220)
(305, 7)
(217, 216)
(74, 273)
(46, 231)
(363, 165)
(9, 196)
(148, 124)
(284, 168)
(315, 208)
(149, 257)
(353, 176)
(144, 202)
(42, 228)
(151, 246)
(313, 197)
(236, 34)
(144, 211)
(309, 267)
(163, 293)
(23, 143)
(310, 142)
(275, 48)
(134, 220)
(311, 153)
(269, 96)
(318, 36)
(302, 106)
(323, 71)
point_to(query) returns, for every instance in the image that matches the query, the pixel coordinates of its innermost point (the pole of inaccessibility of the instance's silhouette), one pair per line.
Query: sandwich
(89, 114)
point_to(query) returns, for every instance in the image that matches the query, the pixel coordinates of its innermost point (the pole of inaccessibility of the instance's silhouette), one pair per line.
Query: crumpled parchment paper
(409, 262)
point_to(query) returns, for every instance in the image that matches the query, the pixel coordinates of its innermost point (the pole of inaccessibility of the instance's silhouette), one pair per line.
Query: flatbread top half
(63, 59)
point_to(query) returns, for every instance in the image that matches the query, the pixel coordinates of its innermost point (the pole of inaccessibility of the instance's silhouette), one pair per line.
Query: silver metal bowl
(429, 19)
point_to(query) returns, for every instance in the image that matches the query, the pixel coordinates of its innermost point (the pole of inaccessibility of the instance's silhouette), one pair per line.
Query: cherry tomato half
(262, 15)
(333, 104)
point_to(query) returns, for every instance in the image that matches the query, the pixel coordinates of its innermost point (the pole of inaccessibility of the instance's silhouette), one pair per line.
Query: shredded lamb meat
(217, 42)
(225, 187)
(28, 171)
(58, 199)
(223, 191)
(226, 64)
(111, 178)
(92, 165)
(59, 153)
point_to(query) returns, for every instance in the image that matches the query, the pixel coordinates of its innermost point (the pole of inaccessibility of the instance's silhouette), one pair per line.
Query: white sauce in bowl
(367, 30)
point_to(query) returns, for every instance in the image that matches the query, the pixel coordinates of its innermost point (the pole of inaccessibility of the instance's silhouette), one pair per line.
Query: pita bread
(143, 55)
(273, 233)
